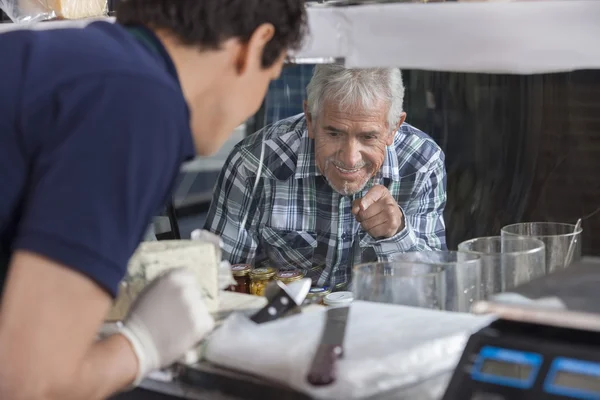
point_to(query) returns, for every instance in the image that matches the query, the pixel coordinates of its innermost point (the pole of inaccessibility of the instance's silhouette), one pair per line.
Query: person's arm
(424, 227)
(230, 203)
(109, 154)
(49, 319)
(50, 353)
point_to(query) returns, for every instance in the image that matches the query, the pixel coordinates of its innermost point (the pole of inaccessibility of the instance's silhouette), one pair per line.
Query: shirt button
(344, 236)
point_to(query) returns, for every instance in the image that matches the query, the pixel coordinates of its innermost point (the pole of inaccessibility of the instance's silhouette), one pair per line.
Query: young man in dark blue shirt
(94, 124)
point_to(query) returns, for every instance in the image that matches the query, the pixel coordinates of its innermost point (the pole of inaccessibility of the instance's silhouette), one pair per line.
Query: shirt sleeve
(424, 227)
(105, 154)
(231, 201)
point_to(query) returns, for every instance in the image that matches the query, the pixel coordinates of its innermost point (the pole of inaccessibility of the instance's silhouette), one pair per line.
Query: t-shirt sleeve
(105, 157)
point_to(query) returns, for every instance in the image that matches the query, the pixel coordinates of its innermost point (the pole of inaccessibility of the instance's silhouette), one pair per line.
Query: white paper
(386, 347)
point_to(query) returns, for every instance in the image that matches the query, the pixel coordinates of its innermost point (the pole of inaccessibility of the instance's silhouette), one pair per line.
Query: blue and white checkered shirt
(296, 220)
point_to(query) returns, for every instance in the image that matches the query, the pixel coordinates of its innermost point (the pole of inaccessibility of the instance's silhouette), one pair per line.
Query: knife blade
(282, 299)
(323, 370)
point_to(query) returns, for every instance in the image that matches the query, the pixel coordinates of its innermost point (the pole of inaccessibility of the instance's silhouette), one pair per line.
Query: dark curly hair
(208, 23)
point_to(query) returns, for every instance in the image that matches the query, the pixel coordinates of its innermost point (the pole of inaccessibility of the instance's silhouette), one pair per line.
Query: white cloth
(167, 320)
(386, 347)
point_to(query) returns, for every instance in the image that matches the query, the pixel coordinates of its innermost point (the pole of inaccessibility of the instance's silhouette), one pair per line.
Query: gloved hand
(166, 320)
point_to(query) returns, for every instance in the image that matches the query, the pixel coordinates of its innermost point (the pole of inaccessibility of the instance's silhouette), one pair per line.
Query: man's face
(350, 145)
(237, 92)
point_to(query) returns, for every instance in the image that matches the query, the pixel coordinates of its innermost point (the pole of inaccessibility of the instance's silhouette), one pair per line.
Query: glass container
(259, 279)
(557, 238)
(241, 274)
(507, 262)
(463, 275)
(404, 283)
(288, 276)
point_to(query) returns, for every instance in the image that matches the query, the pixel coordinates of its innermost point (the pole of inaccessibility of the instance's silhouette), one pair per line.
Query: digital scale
(536, 353)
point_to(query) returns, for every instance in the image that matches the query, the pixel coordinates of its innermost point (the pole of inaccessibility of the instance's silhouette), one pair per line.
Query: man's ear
(309, 121)
(251, 53)
(390, 139)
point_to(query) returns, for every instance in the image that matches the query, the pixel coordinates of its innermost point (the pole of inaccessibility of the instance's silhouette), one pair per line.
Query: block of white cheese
(153, 258)
(68, 9)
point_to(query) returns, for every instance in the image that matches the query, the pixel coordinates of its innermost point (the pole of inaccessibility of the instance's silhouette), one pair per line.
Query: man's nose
(350, 154)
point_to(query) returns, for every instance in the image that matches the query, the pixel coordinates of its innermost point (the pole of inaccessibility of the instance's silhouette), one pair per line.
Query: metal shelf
(494, 37)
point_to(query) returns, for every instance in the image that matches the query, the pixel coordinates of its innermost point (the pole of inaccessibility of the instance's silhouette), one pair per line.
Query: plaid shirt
(296, 220)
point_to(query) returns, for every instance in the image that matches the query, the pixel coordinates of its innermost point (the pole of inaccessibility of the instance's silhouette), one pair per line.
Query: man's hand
(378, 213)
(167, 320)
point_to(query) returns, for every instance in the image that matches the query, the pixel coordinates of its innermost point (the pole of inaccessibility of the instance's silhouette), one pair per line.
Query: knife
(323, 370)
(282, 299)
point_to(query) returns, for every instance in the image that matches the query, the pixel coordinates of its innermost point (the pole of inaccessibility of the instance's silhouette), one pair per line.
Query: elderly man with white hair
(345, 182)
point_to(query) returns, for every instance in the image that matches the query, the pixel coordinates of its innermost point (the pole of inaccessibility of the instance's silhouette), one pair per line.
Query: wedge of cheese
(68, 9)
(153, 258)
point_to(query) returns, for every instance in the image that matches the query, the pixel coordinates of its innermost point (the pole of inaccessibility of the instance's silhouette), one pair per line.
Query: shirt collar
(149, 40)
(306, 165)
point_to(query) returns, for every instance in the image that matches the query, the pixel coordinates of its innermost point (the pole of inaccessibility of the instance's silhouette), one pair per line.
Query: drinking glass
(557, 238)
(507, 261)
(463, 275)
(405, 283)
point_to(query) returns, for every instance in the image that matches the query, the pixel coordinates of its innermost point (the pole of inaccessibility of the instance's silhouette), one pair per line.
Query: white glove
(166, 320)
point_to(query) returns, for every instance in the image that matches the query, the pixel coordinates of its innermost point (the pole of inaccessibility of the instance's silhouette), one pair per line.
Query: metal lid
(338, 299)
(262, 273)
(241, 269)
(289, 276)
(319, 291)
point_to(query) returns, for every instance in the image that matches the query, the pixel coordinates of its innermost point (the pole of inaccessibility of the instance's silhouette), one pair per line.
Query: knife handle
(323, 370)
(279, 305)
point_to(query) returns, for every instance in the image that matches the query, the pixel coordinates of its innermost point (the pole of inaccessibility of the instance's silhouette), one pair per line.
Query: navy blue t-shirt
(93, 130)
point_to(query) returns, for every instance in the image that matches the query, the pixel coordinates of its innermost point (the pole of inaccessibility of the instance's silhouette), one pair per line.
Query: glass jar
(259, 279)
(289, 276)
(316, 295)
(241, 274)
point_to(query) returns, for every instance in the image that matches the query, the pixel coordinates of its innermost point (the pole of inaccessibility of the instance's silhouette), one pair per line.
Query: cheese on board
(153, 258)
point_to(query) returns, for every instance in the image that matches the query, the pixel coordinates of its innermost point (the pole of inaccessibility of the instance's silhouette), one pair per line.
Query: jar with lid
(288, 276)
(338, 299)
(241, 274)
(316, 295)
(259, 279)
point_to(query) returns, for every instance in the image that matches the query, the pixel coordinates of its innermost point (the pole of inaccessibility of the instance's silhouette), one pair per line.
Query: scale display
(506, 367)
(574, 378)
(567, 377)
(507, 370)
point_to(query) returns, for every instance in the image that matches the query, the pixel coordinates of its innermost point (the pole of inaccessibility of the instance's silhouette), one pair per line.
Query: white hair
(356, 87)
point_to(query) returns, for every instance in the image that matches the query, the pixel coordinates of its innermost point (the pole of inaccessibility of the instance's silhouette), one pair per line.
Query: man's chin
(347, 188)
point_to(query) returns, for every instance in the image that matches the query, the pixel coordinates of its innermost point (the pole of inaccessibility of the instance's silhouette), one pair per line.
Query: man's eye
(333, 134)
(369, 137)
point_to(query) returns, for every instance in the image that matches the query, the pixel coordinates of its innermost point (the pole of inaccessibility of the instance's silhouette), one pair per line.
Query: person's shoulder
(58, 56)
(416, 148)
(281, 141)
(118, 115)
